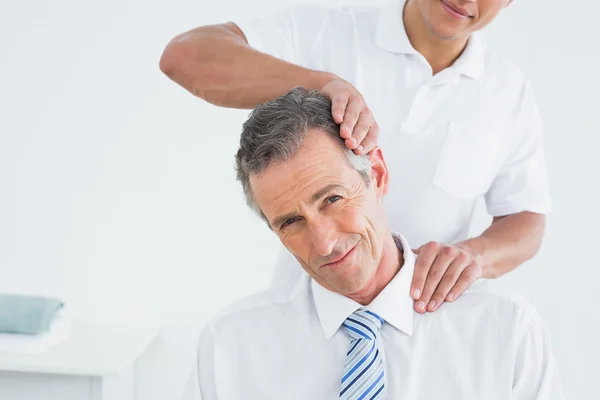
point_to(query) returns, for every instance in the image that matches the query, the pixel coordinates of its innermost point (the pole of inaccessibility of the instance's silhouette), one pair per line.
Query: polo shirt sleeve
(536, 374)
(522, 181)
(206, 365)
(289, 34)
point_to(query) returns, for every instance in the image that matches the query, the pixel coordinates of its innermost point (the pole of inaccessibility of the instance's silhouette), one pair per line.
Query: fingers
(351, 116)
(442, 273)
(424, 261)
(356, 120)
(362, 126)
(467, 277)
(437, 271)
(450, 278)
(339, 103)
(370, 140)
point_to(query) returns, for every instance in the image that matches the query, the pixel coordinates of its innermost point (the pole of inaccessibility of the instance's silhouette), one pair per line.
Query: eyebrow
(313, 199)
(319, 194)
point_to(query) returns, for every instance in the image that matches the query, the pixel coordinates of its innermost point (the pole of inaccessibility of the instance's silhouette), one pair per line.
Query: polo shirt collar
(471, 62)
(391, 36)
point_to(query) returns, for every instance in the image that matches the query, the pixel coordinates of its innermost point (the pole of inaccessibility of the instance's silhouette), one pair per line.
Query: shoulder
(484, 316)
(341, 12)
(285, 299)
(498, 305)
(506, 84)
(503, 72)
(485, 307)
(491, 291)
(333, 18)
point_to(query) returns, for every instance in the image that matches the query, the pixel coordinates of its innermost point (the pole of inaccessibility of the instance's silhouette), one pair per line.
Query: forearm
(507, 243)
(216, 64)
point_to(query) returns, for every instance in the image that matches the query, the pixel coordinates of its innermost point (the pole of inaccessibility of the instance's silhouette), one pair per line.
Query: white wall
(117, 189)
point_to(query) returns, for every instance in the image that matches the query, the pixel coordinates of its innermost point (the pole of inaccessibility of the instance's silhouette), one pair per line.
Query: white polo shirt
(288, 343)
(473, 130)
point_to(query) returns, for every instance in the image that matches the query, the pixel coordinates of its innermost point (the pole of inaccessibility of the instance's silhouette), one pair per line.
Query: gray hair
(275, 131)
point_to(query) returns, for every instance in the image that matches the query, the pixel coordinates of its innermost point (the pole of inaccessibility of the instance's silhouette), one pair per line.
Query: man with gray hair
(348, 329)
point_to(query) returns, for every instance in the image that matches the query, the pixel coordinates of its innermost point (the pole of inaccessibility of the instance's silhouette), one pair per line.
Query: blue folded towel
(27, 315)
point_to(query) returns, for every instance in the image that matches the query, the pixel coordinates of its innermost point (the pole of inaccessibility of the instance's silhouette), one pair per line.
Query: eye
(333, 199)
(288, 222)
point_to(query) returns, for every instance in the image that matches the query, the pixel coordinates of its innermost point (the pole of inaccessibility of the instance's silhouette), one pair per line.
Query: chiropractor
(458, 123)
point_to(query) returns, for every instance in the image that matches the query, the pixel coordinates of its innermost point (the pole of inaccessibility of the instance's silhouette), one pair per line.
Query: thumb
(416, 251)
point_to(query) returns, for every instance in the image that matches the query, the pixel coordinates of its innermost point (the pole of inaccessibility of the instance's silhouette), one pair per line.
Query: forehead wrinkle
(301, 182)
(304, 197)
(308, 169)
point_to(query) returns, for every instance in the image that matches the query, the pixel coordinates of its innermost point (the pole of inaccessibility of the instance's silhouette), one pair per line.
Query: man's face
(324, 213)
(454, 19)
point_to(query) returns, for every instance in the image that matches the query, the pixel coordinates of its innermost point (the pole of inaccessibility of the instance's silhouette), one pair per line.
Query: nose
(323, 235)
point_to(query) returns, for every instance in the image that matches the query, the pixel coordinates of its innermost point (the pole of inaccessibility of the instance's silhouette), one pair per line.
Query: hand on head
(349, 109)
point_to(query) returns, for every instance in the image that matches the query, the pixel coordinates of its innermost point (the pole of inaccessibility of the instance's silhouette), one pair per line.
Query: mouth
(455, 11)
(341, 260)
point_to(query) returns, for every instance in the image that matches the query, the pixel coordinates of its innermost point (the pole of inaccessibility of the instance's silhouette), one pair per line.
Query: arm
(507, 243)
(238, 67)
(451, 269)
(518, 199)
(216, 63)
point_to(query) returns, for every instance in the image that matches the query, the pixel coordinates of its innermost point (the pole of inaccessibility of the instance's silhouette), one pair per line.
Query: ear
(379, 171)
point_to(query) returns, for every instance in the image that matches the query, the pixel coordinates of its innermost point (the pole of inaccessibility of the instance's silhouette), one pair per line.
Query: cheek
(366, 220)
(488, 11)
(353, 220)
(298, 244)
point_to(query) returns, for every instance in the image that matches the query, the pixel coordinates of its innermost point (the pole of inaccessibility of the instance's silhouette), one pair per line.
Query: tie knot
(363, 324)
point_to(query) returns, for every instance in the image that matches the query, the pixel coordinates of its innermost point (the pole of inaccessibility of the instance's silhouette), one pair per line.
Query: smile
(344, 258)
(454, 11)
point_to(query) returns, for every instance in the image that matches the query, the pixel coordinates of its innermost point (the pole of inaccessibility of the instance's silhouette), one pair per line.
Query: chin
(444, 30)
(353, 283)
(446, 33)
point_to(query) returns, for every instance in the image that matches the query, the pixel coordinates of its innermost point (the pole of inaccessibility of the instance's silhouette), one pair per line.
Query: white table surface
(91, 350)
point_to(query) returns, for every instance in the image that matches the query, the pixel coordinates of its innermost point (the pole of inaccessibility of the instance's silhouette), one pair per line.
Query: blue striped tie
(363, 370)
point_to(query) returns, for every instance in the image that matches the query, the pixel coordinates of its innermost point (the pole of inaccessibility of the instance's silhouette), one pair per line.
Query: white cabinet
(97, 362)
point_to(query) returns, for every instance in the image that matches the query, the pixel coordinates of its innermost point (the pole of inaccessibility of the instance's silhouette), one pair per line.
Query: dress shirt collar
(393, 304)
(391, 36)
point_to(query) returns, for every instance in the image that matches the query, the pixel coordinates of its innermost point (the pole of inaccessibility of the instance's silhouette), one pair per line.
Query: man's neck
(390, 263)
(439, 53)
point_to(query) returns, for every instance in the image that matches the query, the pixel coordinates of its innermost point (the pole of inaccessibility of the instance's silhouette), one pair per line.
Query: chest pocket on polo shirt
(467, 161)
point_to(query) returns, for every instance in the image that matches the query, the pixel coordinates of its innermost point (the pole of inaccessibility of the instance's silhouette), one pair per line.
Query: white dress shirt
(473, 130)
(288, 343)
